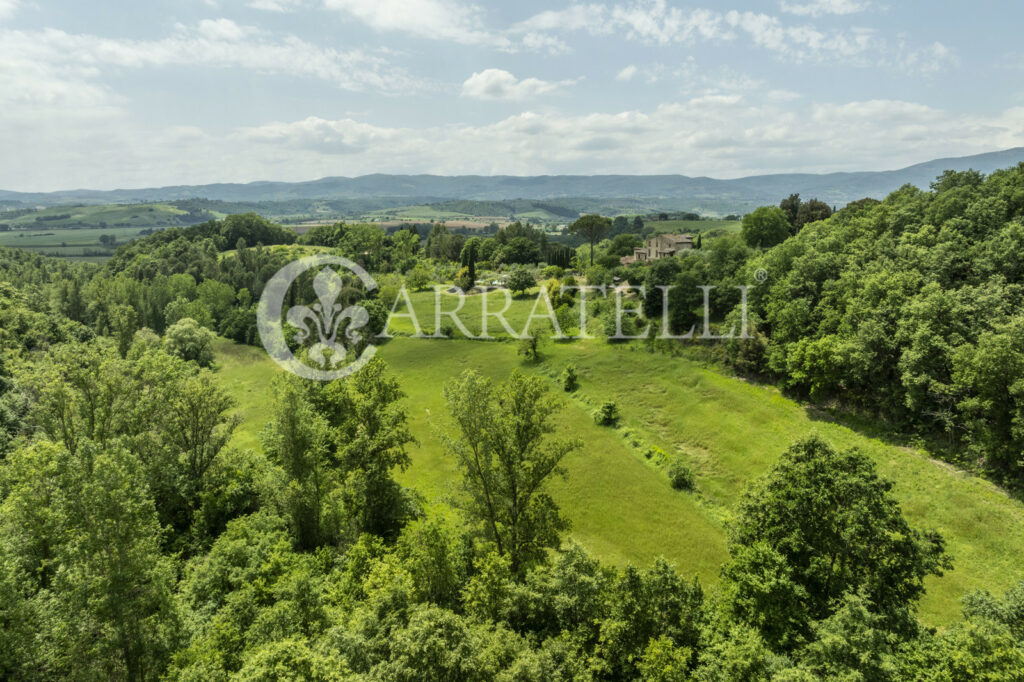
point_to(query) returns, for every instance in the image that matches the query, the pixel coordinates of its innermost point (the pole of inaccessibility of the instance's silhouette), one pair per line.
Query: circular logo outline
(271, 306)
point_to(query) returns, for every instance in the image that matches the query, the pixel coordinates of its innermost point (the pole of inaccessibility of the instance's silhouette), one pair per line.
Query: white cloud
(434, 19)
(213, 43)
(276, 5)
(804, 42)
(650, 21)
(654, 22)
(817, 8)
(497, 84)
(344, 136)
(627, 73)
(543, 42)
(722, 135)
(927, 60)
(8, 8)
(725, 134)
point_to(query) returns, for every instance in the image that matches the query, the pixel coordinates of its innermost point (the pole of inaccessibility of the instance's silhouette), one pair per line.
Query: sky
(132, 94)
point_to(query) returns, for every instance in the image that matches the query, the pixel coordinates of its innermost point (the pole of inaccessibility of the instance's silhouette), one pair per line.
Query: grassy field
(106, 216)
(443, 213)
(621, 506)
(424, 304)
(69, 243)
(425, 213)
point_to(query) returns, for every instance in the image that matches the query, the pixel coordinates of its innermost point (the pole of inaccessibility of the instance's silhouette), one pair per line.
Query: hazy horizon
(209, 91)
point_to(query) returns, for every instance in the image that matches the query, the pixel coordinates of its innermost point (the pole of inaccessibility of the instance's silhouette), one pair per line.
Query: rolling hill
(621, 505)
(668, 192)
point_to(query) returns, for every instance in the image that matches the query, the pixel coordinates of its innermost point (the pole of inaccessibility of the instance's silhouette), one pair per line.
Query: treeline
(398, 251)
(909, 309)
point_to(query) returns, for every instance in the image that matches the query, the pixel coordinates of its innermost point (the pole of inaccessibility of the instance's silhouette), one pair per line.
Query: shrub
(611, 327)
(551, 272)
(607, 414)
(463, 280)
(680, 475)
(570, 381)
(529, 347)
(654, 453)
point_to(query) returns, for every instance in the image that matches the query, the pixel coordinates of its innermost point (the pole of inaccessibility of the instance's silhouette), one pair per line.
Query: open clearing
(622, 507)
(79, 243)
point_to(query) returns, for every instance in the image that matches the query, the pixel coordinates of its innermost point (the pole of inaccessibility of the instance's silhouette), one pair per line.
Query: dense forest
(137, 544)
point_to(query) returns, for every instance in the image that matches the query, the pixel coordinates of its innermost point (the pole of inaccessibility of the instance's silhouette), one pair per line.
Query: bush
(607, 414)
(570, 381)
(611, 327)
(418, 278)
(463, 280)
(597, 275)
(520, 280)
(655, 454)
(680, 475)
(552, 272)
(529, 347)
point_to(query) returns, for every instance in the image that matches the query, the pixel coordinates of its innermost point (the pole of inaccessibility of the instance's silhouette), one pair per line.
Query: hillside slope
(622, 508)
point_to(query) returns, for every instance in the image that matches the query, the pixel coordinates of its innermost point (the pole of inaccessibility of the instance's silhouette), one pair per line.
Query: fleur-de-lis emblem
(327, 316)
(335, 327)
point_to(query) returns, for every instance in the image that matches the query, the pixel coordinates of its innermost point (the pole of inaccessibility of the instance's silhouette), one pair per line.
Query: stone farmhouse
(660, 246)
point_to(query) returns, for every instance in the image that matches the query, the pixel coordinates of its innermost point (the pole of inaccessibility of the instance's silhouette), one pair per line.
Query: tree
(337, 445)
(501, 442)
(592, 228)
(442, 244)
(661, 272)
(123, 324)
(181, 308)
(417, 278)
(217, 297)
(463, 280)
(529, 347)
(297, 439)
(186, 339)
(765, 227)
(822, 525)
(520, 280)
(521, 251)
(370, 433)
(791, 207)
(620, 225)
(468, 258)
(810, 212)
(87, 531)
(623, 245)
(197, 428)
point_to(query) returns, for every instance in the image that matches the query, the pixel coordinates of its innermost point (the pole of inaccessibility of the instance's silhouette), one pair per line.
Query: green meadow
(77, 243)
(98, 216)
(729, 431)
(470, 311)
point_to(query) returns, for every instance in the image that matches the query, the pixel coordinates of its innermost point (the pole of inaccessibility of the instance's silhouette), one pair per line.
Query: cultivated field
(80, 244)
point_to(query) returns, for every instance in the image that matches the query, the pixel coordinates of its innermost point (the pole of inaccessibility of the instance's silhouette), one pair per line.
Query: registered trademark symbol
(761, 275)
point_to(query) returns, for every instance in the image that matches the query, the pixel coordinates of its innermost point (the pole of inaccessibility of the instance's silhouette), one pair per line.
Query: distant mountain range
(677, 192)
